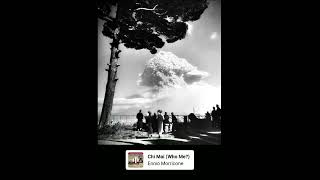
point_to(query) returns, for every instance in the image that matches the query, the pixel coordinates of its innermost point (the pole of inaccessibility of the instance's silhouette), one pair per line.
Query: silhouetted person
(160, 122)
(139, 123)
(185, 121)
(214, 117)
(149, 122)
(192, 117)
(174, 122)
(218, 111)
(165, 122)
(208, 116)
(193, 120)
(154, 123)
(218, 115)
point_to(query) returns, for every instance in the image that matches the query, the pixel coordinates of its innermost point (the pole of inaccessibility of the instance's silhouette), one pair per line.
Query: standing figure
(218, 111)
(218, 115)
(160, 122)
(165, 122)
(208, 116)
(214, 117)
(185, 121)
(174, 122)
(139, 123)
(154, 123)
(149, 122)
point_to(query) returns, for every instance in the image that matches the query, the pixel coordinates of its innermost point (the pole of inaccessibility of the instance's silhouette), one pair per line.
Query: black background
(51, 84)
(207, 159)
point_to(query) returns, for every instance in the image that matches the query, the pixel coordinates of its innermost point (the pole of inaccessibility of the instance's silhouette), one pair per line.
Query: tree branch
(160, 14)
(148, 9)
(106, 18)
(154, 8)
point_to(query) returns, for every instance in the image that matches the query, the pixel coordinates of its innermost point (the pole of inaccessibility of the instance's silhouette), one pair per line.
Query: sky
(192, 78)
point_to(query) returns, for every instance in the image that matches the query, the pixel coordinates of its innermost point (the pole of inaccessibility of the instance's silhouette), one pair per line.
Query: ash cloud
(194, 76)
(173, 85)
(168, 70)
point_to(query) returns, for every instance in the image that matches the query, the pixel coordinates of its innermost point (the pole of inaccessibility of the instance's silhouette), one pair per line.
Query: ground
(183, 136)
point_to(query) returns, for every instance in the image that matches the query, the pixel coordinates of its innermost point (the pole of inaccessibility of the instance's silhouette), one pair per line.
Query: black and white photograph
(159, 72)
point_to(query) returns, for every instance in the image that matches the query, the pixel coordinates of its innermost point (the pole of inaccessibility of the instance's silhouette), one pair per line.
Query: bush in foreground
(109, 129)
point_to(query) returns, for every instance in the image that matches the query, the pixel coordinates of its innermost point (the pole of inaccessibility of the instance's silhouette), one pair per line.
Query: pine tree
(142, 24)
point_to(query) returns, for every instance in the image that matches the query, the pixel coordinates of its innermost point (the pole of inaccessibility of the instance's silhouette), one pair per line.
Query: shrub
(109, 129)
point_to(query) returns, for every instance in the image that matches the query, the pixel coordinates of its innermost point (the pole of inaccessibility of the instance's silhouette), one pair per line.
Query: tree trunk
(110, 88)
(112, 80)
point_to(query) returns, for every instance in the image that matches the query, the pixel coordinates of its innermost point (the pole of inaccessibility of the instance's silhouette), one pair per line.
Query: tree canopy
(146, 24)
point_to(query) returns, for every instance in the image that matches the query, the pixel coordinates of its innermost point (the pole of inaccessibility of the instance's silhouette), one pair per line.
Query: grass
(117, 130)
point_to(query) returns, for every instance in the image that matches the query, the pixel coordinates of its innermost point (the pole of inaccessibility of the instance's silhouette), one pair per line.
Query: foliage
(144, 24)
(109, 129)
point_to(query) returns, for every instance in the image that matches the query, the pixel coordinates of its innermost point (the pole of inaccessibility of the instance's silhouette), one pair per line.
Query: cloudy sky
(182, 77)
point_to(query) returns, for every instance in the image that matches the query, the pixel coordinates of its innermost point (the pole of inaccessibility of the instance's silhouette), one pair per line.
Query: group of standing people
(215, 116)
(156, 122)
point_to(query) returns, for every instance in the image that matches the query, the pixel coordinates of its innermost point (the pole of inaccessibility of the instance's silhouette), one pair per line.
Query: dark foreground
(183, 136)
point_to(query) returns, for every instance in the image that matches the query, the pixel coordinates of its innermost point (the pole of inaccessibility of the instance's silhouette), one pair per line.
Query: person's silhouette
(139, 123)
(174, 122)
(160, 122)
(219, 113)
(165, 122)
(154, 123)
(149, 122)
(208, 116)
(214, 117)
